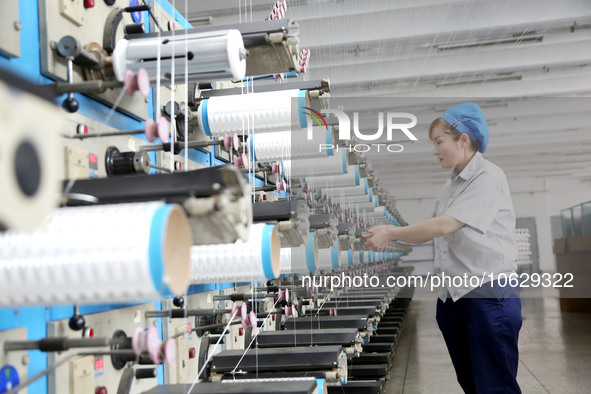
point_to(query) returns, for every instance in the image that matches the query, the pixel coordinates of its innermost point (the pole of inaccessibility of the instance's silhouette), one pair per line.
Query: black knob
(77, 322)
(178, 301)
(110, 2)
(71, 104)
(118, 360)
(175, 106)
(67, 46)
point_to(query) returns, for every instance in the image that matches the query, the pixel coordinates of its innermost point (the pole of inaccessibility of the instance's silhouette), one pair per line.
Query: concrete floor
(555, 351)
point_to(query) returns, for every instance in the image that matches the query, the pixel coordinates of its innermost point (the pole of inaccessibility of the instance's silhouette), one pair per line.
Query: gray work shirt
(479, 197)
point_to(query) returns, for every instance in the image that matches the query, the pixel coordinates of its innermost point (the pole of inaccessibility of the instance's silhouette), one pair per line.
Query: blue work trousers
(481, 337)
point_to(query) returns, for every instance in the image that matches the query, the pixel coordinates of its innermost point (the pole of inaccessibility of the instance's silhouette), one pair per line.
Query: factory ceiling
(527, 63)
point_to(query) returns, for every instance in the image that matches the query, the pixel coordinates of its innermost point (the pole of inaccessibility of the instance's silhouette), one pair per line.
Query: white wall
(414, 211)
(535, 198)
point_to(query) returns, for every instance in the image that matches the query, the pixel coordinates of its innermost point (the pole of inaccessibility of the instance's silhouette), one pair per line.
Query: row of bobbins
(289, 310)
(246, 319)
(140, 81)
(243, 161)
(147, 340)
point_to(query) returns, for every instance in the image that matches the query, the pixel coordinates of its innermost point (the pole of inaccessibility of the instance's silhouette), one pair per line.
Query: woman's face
(448, 152)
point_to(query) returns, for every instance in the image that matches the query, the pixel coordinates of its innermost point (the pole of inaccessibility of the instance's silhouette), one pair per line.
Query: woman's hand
(378, 237)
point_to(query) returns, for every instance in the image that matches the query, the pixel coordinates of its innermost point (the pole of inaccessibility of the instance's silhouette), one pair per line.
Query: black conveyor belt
(345, 310)
(278, 359)
(344, 337)
(357, 387)
(326, 322)
(293, 387)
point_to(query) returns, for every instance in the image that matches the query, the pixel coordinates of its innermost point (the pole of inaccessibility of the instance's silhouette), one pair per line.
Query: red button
(101, 390)
(81, 129)
(192, 352)
(240, 331)
(89, 4)
(88, 332)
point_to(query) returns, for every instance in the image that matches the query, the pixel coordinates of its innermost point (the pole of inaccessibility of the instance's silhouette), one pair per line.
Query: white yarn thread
(324, 259)
(282, 145)
(286, 262)
(332, 165)
(237, 262)
(92, 254)
(350, 200)
(356, 258)
(348, 191)
(216, 54)
(268, 111)
(343, 258)
(365, 256)
(332, 181)
(293, 260)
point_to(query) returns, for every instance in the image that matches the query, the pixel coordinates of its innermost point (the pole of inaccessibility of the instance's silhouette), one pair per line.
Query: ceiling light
(467, 80)
(500, 41)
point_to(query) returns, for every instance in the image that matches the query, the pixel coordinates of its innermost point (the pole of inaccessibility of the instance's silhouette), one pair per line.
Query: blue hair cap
(469, 119)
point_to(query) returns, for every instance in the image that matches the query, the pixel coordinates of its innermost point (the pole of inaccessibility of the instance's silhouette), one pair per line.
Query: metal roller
(217, 199)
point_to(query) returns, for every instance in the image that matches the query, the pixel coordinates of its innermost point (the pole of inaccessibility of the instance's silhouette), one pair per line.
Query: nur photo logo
(390, 122)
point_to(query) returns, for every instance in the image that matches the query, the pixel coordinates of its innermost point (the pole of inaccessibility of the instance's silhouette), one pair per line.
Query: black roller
(377, 347)
(146, 373)
(356, 387)
(319, 221)
(395, 313)
(369, 371)
(387, 330)
(278, 210)
(391, 319)
(173, 188)
(126, 163)
(389, 325)
(385, 338)
(371, 358)
(135, 28)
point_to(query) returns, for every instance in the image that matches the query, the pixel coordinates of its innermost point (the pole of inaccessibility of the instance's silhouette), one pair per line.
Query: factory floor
(555, 351)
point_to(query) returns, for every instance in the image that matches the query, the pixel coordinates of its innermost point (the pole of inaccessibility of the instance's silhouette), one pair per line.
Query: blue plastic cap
(469, 119)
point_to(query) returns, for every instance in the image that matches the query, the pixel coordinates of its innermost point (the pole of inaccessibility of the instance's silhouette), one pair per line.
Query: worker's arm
(378, 237)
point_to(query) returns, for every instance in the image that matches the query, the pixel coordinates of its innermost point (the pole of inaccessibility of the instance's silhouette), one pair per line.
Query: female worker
(472, 226)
